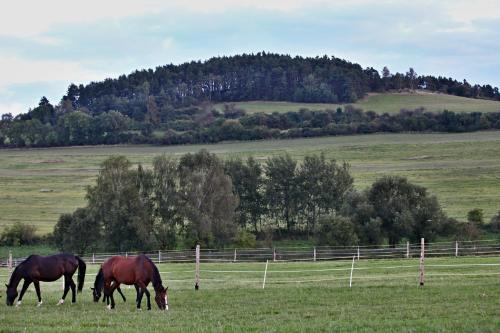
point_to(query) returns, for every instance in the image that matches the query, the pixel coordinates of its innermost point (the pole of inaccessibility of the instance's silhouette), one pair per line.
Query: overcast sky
(46, 45)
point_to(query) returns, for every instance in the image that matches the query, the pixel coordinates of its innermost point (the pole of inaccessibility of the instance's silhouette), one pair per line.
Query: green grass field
(381, 103)
(463, 170)
(459, 296)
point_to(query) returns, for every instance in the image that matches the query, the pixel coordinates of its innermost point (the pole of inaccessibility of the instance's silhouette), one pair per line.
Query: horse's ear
(7, 285)
(92, 288)
(166, 288)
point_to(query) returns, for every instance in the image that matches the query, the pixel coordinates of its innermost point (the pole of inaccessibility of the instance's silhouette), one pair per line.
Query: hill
(381, 102)
(463, 170)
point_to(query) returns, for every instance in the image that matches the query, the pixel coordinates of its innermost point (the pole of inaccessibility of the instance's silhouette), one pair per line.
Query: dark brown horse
(36, 268)
(139, 271)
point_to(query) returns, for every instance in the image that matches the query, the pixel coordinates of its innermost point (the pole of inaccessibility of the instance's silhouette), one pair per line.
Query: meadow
(460, 295)
(463, 170)
(383, 103)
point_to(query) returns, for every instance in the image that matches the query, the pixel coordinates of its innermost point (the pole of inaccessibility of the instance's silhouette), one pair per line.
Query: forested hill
(179, 104)
(261, 76)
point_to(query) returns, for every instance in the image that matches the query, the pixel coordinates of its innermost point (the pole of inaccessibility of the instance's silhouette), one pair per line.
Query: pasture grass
(385, 297)
(381, 103)
(463, 170)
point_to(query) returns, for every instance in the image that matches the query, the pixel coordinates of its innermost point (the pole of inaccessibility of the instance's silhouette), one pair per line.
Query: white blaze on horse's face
(166, 302)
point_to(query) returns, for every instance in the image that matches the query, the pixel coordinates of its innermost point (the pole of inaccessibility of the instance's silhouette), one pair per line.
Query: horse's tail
(82, 267)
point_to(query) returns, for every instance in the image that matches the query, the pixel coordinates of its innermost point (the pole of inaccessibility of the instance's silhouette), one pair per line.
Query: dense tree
(208, 201)
(78, 232)
(281, 189)
(248, 184)
(116, 202)
(166, 201)
(405, 209)
(322, 186)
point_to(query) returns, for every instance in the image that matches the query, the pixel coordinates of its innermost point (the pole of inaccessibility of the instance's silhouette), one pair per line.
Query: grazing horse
(138, 271)
(99, 286)
(36, 268)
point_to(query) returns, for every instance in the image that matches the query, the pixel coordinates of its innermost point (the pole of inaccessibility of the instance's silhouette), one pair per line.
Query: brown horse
(36, 268)
(137, 271)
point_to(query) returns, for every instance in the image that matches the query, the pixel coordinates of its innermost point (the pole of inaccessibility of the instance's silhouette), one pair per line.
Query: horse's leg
(142, 287)
(106, 292)
(121, 293)
(146, 291)
(66, 289)
(136, 293)
(37, 289)
(73, 288)
(23, 290)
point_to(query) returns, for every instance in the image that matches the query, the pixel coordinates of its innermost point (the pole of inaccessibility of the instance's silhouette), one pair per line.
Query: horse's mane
(157, 282)
(99, 279)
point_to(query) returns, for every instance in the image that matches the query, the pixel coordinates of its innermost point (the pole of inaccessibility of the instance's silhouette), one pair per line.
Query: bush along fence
(283, 265)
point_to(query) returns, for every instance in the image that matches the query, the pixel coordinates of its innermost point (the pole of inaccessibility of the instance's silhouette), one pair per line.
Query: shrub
(19, 234)
(244, 238)
(336, 230)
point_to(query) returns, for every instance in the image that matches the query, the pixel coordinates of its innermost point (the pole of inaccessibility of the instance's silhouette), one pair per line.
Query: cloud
(17, 71)
(14, 108)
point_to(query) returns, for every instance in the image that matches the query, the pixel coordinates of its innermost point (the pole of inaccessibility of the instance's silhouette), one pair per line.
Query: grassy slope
(381, 300)
(463, 170)
(380, 103)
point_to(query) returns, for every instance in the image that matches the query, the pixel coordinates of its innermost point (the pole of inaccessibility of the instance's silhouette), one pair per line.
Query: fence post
(358, 253)
(93, 258)
(314, 253)
(352, 269)
(274, 254)
(126, 254)
(407, 250)
(197, 269)
(234, 259)
(265, 275)
(422, 256)
(159, 256)
(456, 248)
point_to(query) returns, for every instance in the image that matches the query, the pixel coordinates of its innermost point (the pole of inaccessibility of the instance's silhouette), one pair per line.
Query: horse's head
(96, 294)
(11, 295)
(161, 298)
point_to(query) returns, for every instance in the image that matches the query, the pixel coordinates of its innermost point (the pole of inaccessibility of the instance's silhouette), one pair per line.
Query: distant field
(463, 170)
(381, 103)
(460, 295)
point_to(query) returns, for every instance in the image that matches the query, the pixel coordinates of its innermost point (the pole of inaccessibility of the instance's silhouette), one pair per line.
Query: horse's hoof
(39, 304)
(61, 301)
(139, 309)
(18, 304)
(108, 307)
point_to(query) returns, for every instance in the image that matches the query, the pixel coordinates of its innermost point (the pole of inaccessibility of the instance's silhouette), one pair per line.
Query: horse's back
(50, 268)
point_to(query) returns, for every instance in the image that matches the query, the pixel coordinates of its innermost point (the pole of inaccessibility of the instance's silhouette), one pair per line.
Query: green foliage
(476, 216)
(336, 230)
(208, 200)
(405, 209)
(495, 223)
(78, 232)
(248, 184)
(116, 202)
(19, 234)
(244, 239)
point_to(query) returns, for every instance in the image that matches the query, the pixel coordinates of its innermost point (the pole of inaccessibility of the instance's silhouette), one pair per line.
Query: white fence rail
(318, 253)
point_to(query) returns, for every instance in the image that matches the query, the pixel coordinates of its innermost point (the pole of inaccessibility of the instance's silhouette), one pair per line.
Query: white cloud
(14, 108)
(23, 71)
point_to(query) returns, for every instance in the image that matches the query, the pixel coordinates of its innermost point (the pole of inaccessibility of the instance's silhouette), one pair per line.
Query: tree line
(201, 199)
(207, 124)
